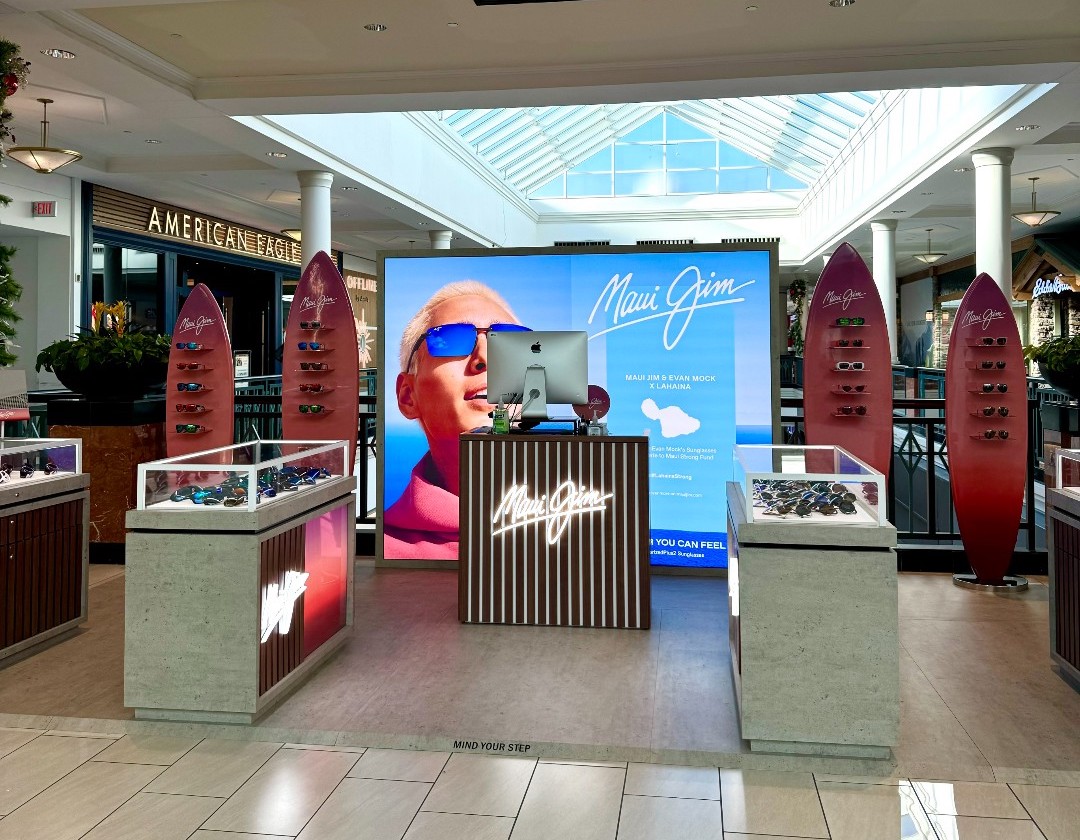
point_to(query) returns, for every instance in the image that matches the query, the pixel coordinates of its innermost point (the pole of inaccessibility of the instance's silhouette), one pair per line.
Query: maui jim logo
(985, 318)
(688, 292)
(321, 300)
(569, 501)
(845, 300)
(197, 324)
(278, 602)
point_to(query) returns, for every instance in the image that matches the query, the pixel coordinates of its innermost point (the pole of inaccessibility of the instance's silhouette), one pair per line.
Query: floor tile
(669, 780)
(325, 748)
(12, 739)
(969, 799)
(481, 784)
(656, 818)
(232, 835)
(1056, 810)
(400, 765)
(367, 809)
(880, 812)
(214, 768)
(985, 828)
(155, 816)
(729, 836)
(284, 793)
(78, 802)
(101, 572)
(147, 749)
(30, 769)
(73, 733)
(764, 802)
(619, 764)
(566, 800)
(858, 780)
(432, 826)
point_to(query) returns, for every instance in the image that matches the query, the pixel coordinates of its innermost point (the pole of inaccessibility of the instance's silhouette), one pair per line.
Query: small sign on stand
(241, 366)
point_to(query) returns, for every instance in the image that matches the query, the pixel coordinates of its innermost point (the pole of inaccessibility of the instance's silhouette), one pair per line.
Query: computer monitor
(537, 368)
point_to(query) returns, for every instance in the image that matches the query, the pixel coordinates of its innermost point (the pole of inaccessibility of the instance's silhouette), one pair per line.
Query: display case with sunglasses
(809, 484)
(813, 621)
(238, 577)
(1063, 555)
(44, 533)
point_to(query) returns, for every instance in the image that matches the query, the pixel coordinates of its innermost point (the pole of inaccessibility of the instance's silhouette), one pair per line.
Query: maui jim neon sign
(279, 602)
(569, 501)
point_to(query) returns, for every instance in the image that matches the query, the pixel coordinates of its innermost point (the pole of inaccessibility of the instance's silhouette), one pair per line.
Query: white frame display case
(783, 468)
(245, 462)
(31, 447)
(1063, 566)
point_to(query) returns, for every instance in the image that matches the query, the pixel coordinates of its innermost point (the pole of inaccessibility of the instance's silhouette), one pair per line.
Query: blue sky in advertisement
(680, 340)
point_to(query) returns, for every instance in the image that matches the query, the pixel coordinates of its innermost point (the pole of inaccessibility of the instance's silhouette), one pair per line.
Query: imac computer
(538, 368)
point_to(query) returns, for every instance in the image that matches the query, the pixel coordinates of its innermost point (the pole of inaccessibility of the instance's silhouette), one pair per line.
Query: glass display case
(241, 476)
(31, 460)
(1068, 471)
(808, 484)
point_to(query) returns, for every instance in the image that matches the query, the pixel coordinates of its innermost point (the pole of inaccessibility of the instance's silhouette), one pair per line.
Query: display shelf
(1068, 471)
(809, 484)
(25, 461)
(241, 476)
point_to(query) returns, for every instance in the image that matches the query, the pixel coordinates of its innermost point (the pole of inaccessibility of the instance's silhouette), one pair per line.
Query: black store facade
(151, 255)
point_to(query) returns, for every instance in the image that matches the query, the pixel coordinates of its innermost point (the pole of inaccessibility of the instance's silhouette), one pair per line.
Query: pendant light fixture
(931, 256)
(1033, 217)
(43, 158)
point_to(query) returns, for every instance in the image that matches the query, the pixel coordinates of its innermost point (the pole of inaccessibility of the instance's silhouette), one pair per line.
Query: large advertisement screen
(680, 339)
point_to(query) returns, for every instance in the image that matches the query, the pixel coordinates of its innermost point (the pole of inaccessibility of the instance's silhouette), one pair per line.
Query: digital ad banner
(681, 340)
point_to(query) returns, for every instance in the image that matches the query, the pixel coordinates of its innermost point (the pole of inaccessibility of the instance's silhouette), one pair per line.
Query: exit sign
(44, 208)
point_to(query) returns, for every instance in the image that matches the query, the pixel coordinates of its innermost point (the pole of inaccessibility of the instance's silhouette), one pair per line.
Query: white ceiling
(173, 71)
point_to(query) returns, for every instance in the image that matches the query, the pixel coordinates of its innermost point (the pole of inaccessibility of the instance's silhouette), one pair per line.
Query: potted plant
(108, 361)
(1059, 362)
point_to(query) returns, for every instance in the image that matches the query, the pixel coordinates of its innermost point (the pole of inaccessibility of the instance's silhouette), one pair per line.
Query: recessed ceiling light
(153, 142)
(840, 4)
(452, 24)
(56, 52)
(963, 169)
(1031, 127)
(350, 189)
(926, 193)
(127, 131)
(277, 154)
(898, 212)
(751, 8)
(375, 27)
(175, 35)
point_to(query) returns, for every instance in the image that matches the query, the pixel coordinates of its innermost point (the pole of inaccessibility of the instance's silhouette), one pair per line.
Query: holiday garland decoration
(10, 291)
(14, 70)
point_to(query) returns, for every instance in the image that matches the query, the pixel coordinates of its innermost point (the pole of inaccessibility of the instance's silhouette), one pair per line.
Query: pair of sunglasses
(853, 409)
(989, 386)
(310, 345)
(843, 342)
(849, 365)
(314, 366)
(989, 434)
(850, 322)
(988, 340)
(989, 365)
(189, 386)
(449, 340)
(990, 410)
(190, 407)
(849, 388)
(311, 409)
(188, 345)
(310, 325)
(311, 388)
(189, 428)
(189, 366)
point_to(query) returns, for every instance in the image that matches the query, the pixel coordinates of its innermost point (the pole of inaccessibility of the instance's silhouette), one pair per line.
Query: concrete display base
(196, 586)
(814, 635)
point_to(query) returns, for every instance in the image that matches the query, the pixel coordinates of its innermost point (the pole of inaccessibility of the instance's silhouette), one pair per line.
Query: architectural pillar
(440, 239)
(993, 208)
(314, 214)
(885, 273)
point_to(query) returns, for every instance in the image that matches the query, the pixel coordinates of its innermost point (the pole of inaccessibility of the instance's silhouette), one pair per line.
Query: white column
(440, 239)
(885, 273)
(993, 205)
(314, 214)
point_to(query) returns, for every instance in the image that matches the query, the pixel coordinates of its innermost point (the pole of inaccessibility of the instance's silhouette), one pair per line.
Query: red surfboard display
(321, 367)
(847, 363)
(986, 428)
(200, 389)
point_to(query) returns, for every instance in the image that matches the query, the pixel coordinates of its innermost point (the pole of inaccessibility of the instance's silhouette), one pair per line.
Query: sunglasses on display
(50, 468)
(310, 388)
(189, 428)
(313, 366)
(189, 386)
(850, 322)
(853, 409)
(311, 409)
(310, 325)
(988, 340)
(989, 434)
(989, 386)
(843, 342)
(310, 345)
(447, 341)
(989, 411)
(988, 365)
(188, 345)
(189, 366)
(849, 365)
(27, 470)
(190, 407)
(849, 388)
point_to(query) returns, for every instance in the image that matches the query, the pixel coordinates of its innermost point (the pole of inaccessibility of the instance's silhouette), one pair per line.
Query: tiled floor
(980, 708)
(67, 787)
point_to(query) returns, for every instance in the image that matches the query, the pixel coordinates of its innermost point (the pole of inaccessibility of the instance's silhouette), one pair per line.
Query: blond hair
(418, 324)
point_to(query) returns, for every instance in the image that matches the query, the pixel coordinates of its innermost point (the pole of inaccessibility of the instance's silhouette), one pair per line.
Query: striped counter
(554, 531)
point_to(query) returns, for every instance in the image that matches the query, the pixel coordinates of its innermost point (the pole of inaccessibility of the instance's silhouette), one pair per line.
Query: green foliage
(108, 351)
(1058, 354)
(10, 291)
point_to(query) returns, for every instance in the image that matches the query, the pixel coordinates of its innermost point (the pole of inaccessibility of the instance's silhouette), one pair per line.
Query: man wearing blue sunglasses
(442, 380)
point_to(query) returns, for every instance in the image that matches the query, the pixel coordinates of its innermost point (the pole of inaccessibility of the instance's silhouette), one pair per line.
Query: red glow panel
(328, 548)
